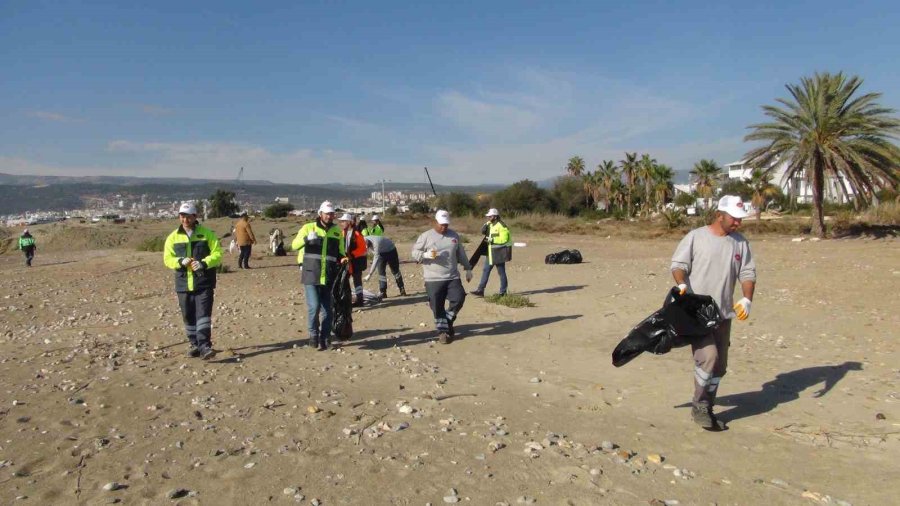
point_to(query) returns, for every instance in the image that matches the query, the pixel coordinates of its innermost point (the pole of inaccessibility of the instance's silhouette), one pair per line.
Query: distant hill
(28, 193)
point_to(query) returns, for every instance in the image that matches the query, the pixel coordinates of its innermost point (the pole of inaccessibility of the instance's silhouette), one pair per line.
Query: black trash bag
(682, 319)
(569, 256)
(342, 305)
(480, 251)
(279, 250)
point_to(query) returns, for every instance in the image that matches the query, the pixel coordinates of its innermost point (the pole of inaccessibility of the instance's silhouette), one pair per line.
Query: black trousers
(196, 310)
(244, 257)
(392, 260)
(29, 255)
(440, 293)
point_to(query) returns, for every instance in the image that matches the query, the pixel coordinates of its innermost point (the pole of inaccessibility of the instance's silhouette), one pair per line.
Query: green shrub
(279, 210)
(152, 244)
(510, 300)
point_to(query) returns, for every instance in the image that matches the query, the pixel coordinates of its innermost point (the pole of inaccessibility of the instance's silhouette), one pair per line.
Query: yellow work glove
(742, 309)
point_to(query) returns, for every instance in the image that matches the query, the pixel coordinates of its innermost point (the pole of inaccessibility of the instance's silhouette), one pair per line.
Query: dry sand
(95, 388)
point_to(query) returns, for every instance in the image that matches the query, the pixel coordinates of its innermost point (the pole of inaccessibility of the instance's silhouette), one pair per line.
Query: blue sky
(480, 92)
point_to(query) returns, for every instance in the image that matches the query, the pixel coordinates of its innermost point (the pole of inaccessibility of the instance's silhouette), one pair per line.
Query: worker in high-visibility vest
(321, 250)
(28, 246)
(499, 248)
(193, 252)
(377, 227)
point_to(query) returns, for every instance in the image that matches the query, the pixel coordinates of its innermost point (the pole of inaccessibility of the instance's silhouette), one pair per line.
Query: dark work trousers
(392, 260)
(710, 363)
(244, 257)
(29, 255)
(446, 299)
(196, 310)
(359, 268)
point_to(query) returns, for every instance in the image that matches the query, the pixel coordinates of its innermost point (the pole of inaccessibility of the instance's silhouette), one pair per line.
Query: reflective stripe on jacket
(202, 245)
(500, 247)
(328, 246)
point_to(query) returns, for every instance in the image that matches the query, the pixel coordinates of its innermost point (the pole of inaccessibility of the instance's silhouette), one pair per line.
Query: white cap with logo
(346, 217)
(187, 208)
(326, 207)
(375, 217)
(733, 205)
(442, 217)
(492, 212)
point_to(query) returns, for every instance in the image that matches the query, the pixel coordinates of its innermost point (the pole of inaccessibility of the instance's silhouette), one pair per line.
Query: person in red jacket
(355, 245)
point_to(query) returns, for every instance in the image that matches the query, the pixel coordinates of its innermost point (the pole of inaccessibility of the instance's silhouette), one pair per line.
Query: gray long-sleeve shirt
(714, 264)
(450, 252)
(380, 245)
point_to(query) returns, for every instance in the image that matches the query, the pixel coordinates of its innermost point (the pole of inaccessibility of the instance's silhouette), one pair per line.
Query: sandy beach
(524, 408)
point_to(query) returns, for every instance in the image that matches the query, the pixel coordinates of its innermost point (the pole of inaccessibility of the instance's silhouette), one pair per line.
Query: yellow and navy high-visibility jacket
(25, 242)
(376, 229)
(320, 258)
(500, 246)
(202, 245)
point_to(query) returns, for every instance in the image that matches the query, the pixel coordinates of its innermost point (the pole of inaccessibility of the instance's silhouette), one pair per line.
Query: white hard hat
(733, 205)
(25, 231)
(187, 208)
(375, 217)
(326, 207)
(492, 212)
(346, 217)
(442, 217)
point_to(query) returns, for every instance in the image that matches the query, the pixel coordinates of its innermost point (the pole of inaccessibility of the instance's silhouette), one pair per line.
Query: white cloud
(52, 116)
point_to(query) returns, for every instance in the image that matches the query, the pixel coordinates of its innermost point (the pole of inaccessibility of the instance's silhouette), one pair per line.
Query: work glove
(468, 275)
(682, 289)
(311, 236)
(344, 260)
(186, 261)
(432, 254)
(196, 265)
(742, 309)
(369, 275)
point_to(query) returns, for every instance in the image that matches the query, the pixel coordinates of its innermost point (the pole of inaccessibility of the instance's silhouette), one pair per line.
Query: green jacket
(320, 258)
(203, 245)
(26, 241)
(500, 243)
(375, 229)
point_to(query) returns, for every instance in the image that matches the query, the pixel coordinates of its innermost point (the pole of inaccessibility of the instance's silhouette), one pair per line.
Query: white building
(795, 186)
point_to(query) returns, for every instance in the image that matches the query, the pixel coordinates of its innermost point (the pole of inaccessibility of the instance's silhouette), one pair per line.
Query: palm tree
(823, 131)
(575, 167)
(629, 167)
(645, 169)
(662, 184)
(607, 175)
(761, 183)
(706, 175)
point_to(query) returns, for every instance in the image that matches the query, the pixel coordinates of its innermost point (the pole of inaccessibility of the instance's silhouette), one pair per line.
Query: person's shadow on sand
(786, 387)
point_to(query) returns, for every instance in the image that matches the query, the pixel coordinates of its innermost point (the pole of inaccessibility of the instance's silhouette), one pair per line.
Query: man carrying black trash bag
(710, 260)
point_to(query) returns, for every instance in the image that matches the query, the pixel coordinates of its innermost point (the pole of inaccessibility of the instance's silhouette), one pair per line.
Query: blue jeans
(486, 273)
(318, 297)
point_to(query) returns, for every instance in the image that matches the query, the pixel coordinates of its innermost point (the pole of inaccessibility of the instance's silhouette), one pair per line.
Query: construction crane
(240, 177)
(429, 182)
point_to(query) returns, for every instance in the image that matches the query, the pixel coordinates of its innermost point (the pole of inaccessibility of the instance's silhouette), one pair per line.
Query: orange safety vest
(356, 247)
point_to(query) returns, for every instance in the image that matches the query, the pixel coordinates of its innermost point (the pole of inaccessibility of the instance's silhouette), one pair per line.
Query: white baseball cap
(326, 207)
(492, 212)
(442, 217)
(187, 208)
(346, 217)
(375, 217)
(733, 205)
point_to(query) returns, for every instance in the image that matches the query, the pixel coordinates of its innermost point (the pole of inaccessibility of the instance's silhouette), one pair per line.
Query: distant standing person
(193, 252)
(28, 246)
(243, 235)
(439, 250)
(710, 260)
(377, 228)
(385, 256)
(499, 248)
(321, 249)
(355, 246)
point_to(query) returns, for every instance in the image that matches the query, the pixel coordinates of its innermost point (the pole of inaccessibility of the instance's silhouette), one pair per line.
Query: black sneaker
(193, 352)
(403, 292)
(323, 346)
(206, 352)
(477, 293)
(444, 338)
(383, 295)
(704, 417)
